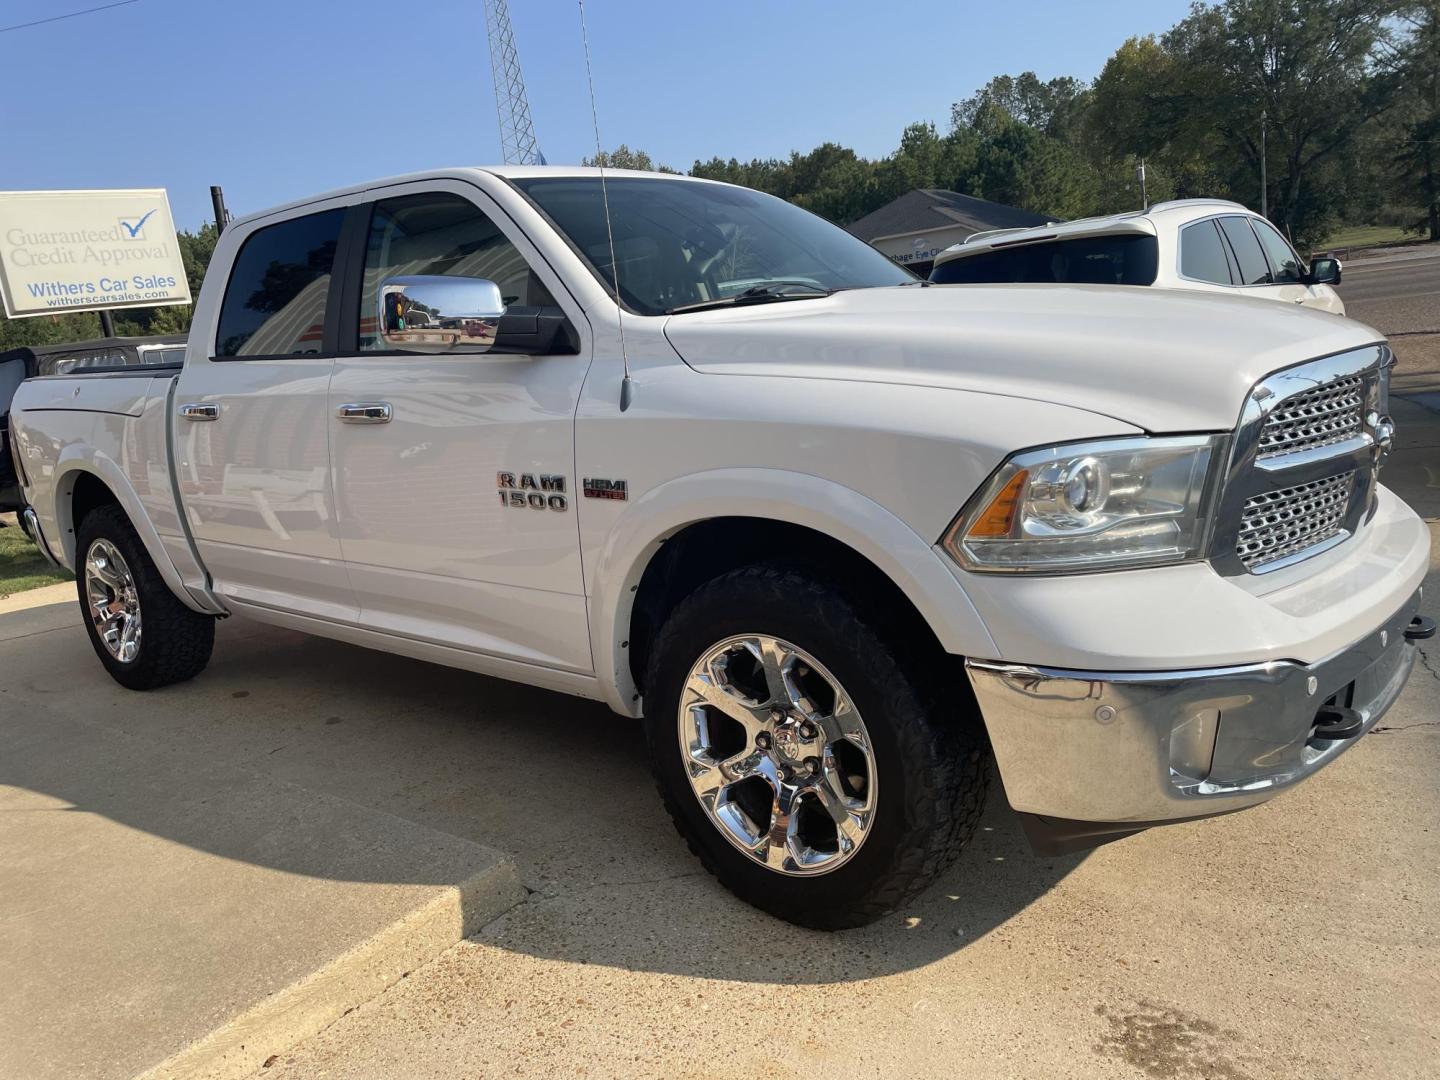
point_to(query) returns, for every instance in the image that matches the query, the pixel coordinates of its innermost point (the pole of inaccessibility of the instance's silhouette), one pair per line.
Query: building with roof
(917, 226)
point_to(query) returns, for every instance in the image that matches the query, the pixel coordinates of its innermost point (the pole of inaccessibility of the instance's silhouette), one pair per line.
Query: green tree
(1416, 158)
(1021, 166)
(1309, 67)
(1054, 107)
(622, 157)
(770, 175)
(1139, 110)
(926, 159)
(834, 182)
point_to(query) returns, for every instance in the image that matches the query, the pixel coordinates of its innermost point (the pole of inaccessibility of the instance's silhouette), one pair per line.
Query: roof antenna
(625, 385)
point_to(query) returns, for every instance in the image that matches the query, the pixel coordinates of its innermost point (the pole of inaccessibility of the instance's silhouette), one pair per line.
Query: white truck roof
(507, 172)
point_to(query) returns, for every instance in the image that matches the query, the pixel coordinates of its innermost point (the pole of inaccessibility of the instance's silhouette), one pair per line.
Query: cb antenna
(625, 385)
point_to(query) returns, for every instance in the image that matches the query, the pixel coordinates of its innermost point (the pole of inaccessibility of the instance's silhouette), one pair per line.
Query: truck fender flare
(872, 531)
(75, 460)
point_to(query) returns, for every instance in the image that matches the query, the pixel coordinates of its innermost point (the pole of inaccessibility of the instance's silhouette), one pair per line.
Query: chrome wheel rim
(113, 600)
(778, 755)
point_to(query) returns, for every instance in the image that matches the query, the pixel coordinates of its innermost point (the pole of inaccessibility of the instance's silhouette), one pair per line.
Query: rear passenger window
(1115, 259)
(441, 234)
(275, 300)
(1202, 254)
(1253, 268)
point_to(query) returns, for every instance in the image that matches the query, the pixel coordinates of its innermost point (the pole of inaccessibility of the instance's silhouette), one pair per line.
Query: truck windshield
(1123, 259)
(680, 243)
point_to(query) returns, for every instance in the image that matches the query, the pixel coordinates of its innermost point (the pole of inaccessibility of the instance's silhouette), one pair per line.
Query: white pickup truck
(838, 535)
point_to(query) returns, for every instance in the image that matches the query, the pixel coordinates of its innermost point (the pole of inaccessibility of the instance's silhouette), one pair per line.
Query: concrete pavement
(173, 911)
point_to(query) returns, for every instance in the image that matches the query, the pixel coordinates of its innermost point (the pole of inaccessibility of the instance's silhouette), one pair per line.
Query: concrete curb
(243, 1043)
(62, 592)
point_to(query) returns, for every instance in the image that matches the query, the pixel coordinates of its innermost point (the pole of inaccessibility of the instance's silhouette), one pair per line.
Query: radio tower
(517, 134)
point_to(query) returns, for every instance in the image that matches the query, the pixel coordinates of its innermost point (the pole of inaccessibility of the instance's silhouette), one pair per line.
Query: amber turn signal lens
(997, 519)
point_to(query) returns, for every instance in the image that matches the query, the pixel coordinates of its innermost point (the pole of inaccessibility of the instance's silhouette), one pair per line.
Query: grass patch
(1361, 236)
(21, 564)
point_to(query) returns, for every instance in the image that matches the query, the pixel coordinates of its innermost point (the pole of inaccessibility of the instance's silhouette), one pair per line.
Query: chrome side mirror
(431, 313)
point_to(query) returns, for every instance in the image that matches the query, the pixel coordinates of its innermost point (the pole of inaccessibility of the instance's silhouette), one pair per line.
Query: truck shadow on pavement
(558, 784)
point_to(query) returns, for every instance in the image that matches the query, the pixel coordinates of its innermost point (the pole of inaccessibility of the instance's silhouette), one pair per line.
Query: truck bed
(132, 355)
(114, 426)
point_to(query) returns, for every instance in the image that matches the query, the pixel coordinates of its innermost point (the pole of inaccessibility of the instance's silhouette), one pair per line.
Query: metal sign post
(222, 216)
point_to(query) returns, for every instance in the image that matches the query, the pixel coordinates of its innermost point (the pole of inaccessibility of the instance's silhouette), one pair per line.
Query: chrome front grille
(1303, 465)
(1323, 416)
(1284, 522)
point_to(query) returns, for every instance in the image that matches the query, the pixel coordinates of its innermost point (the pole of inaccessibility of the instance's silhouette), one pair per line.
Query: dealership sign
(82, 250)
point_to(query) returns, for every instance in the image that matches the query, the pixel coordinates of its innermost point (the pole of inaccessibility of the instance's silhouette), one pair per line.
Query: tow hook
(1421, 628)
(1336, 722)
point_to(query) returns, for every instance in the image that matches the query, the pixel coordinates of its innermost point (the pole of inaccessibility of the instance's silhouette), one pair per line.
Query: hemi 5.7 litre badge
(605, 489)
(538, 491)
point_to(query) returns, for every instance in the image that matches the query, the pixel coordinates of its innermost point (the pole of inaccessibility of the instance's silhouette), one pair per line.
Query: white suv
(1204, 244)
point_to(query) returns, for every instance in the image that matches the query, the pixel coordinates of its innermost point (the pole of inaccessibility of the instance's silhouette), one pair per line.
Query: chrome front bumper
(1092, 756)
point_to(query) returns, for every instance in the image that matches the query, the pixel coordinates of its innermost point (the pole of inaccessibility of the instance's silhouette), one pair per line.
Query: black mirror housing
(1324, 271)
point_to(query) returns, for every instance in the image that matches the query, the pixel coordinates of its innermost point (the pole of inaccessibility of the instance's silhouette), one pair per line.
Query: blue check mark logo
(134, 230)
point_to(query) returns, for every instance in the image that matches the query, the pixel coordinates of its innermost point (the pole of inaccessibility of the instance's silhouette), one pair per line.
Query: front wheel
(805, 761)
(142, 633)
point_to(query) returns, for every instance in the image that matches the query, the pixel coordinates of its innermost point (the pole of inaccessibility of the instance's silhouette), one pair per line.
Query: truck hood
(1163, 360)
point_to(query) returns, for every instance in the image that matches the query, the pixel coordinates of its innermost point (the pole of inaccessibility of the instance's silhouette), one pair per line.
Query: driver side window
(1287, 265)
(440, 233)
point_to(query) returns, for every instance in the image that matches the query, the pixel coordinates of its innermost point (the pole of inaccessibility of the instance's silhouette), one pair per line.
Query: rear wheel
(809, 766)
(142, 633)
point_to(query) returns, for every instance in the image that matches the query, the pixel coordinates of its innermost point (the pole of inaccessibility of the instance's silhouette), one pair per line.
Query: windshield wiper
(758, 294)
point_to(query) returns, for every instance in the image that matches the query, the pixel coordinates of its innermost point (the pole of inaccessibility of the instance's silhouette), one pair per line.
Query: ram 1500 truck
(839, 536)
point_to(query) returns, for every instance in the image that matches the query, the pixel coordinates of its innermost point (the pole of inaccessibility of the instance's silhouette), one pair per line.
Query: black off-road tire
(175, 642)
(930, 750)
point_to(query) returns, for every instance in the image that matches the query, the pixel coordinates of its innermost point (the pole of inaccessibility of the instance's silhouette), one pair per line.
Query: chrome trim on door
(365, 412)
(205, 410)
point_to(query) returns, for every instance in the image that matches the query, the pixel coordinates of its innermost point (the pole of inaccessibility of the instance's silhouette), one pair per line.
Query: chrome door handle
(364, 412)
(205, 410)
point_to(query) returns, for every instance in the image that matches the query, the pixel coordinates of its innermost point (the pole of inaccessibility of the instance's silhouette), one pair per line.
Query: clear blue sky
(278, 99)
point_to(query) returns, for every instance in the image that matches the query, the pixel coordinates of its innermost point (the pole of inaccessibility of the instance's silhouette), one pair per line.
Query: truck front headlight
(1098, 505)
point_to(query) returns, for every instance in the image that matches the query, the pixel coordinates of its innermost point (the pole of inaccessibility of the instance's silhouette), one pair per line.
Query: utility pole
(1140, 176)
(1264, 184)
